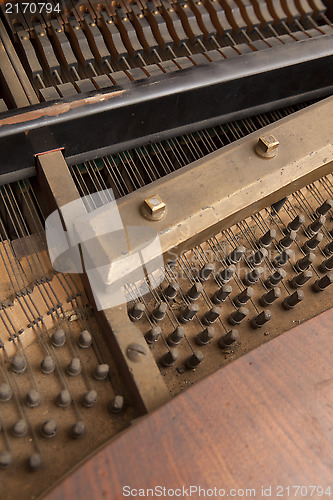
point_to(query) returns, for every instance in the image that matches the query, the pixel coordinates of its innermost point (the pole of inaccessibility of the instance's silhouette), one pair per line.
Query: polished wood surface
(265, 419)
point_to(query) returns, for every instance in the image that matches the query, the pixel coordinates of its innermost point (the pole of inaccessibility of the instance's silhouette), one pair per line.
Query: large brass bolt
(267, 146)
(154, 208)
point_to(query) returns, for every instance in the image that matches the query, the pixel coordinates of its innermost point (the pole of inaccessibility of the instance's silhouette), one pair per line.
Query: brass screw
(267, 146)
(136, 352)
(154, 208)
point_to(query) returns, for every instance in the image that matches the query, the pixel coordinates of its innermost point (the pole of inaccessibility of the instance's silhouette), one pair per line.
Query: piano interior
(208, 122)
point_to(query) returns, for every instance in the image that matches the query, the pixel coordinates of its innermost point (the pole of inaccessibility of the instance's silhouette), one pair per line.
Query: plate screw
(154, 208)
(267, 146)
(136, 352)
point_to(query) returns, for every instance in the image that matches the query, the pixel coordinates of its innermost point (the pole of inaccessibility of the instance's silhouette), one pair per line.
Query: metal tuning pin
(221, 294)
(312, 243)
(89, 399)
(206, 271)
(282, 259)
(194, 292)
(300, 279)
(171, 290)
(326, 265)
(261, 319)
(34, 462)
(169, 358)
(236, 255)
(294, 299)
(275, 278)
(159, 313)
(74, 367)
(78, 430)
(253, 276)
(296, 223)
(176, 336)
(205, 336)
(328, 250)
(85, 339)
(58, 338)
(227, 274)
(101, 372)
(47, 365)
(49, 429)
(116, 405)
(228, 339)
(243, 297)
(237, 317)
(153, 335)
(305, 262)
(258, 257)
(321, 284)
(212, 315)
(136, 312)
(269, 297)
(267, 238)
(325, 207)
(32, 398)
(64, 399)
(194, 360)
(5, 392)
(287, 240)
(188, 313)
(316, 225)
(19, 364)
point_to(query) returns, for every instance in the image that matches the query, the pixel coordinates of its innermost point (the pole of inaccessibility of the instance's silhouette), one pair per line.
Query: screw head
(136, 352)
(267, 146)
(154, 208)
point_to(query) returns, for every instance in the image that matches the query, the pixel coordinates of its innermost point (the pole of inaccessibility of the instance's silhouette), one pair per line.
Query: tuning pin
(322, 283)
(261, 319)
(169, 358)
(19, 364)
(58, 338)
(235, 256)
(136, 312)
(205, 336)
(194, 360)
(194, 292)
(325, 207)
(296, 223)
(277, 206)
(33, 398)
(282, 259)
(47, 365)
(300, 279)
(294, 299)
(269, 297)
(153, 335)
(85, 339)
(188, 313)
(275, 278)
(304, 263)
(6, 459)
(258, 257)
(253, 276)
(326, 265)
(49, 429)
(243, 297)
(74, 367)
(328, 250)
(287, 240)
(159, 313)
(221, 294)
(228, 339)
(101, 371)
(116, 405)
(34, 462)
(206, 271)
(171, 290)
(78, 430)
(20, 428)
(212, 315)
(316, 225)
(89, 399)
(237, 316)
(312, 243)
(64, 399)
(176, 336)
(226, 275)
(5, 392)
(267, 238)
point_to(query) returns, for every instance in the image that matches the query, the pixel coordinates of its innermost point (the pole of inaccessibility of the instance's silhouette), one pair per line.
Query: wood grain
(265, 419)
